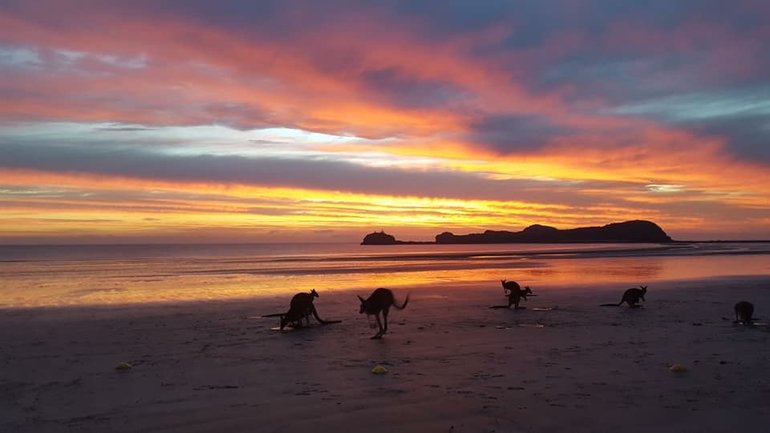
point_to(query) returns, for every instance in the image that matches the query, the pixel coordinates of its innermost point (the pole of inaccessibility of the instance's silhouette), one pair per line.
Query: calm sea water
(118, 274)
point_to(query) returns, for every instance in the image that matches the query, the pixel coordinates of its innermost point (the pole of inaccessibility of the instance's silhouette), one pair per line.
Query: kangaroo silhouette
(631, 297)
(378, 302)
(743, 312)
(301, 307)
(515, 294)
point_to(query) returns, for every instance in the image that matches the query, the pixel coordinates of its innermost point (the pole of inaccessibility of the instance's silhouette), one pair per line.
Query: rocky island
(382, 238)
(379, 238)
(638, 231)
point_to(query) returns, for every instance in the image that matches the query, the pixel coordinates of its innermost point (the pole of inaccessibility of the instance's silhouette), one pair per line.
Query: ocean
(37, 276)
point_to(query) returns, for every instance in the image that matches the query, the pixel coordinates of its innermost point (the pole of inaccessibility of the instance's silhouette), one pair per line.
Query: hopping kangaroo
(743, 312)
(515, 294)
(631, 297)
(300, 307)
(380, 301)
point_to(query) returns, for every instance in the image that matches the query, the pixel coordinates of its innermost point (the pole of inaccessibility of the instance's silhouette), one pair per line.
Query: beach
(453, 364)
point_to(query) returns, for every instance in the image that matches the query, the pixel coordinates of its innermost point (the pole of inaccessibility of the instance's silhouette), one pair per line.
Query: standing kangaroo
(515, 294)
(631, 297)
(743, 312)
(380, 301)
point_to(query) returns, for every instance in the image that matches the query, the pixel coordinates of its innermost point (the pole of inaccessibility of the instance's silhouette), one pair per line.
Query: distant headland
(639, 231)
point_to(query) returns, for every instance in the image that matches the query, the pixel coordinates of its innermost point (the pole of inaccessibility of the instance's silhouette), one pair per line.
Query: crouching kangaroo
(380, 301)
(515, 294)
(301, 307)
(743, 312)
(631, 297)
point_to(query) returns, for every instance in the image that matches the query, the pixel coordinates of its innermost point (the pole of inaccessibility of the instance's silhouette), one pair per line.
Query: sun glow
(82, 205)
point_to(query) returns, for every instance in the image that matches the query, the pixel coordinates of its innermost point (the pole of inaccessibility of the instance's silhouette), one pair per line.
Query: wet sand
(454, 365)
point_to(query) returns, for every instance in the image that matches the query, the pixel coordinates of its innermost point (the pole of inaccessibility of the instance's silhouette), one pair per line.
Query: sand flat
(454, 365)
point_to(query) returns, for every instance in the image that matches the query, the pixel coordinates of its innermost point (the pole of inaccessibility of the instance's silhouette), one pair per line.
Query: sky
(294, 121)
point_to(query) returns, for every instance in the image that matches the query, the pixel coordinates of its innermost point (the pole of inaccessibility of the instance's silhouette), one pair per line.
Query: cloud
(516, 133)
(305, 173)
(739, 115)
(398, 87)
(118, 128)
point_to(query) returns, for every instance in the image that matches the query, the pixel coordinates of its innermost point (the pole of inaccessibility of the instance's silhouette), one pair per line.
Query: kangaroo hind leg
(385, 318)
(380, 332)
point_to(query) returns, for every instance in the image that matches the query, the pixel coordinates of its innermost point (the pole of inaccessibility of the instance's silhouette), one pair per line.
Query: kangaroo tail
(274, 315)
(500, 306)
(402, 306)
(610, 305)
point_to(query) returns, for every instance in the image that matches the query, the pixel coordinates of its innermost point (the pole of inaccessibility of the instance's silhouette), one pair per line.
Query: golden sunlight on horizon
(82, 207)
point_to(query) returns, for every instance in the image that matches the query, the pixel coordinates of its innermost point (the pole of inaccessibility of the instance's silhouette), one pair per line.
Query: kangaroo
(380, 301)
(300, 307)
(743, 312)
(515, 294)
(631, 297)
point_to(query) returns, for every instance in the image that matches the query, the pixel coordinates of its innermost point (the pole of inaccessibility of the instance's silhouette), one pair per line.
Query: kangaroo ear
(360, 298)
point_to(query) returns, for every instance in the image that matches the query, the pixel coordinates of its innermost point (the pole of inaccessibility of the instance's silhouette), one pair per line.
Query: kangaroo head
(527, 290)
(644, 289)
(314, 293)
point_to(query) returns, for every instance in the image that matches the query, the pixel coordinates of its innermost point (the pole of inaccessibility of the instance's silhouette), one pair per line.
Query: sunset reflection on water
(128, 279)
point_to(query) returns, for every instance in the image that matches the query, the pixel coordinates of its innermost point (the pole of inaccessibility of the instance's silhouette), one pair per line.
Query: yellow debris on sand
(677, 368)
(379, 370)
(123, 366)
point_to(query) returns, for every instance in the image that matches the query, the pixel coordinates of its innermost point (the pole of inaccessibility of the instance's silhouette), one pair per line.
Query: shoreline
(126, 277)
(485, 286)
(454, 364)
